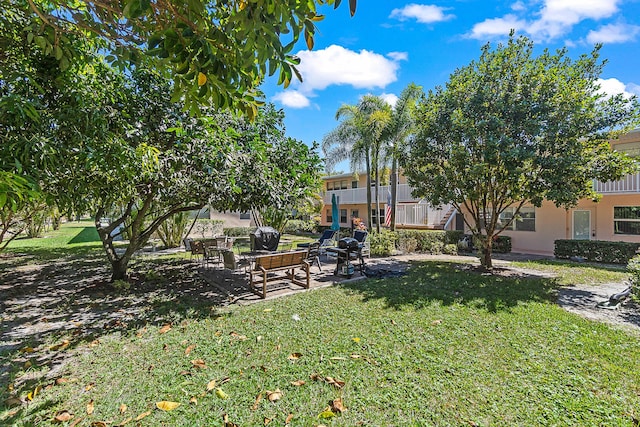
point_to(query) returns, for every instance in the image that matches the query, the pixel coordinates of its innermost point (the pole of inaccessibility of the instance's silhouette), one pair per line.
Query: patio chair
(313, 255)
(326, 240)
(197, 250)
(361, 237)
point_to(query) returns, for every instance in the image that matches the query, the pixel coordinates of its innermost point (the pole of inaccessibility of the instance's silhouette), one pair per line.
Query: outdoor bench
(266, 265)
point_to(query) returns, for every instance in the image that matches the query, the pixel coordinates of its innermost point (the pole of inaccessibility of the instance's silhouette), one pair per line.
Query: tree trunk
(377, 204)
(486, 248)
(119, 269)
(368, 168)
(394, 192)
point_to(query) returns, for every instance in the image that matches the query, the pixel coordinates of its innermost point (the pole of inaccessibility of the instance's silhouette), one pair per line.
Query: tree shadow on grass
(86, 235)
(428, 282)
(70, 303)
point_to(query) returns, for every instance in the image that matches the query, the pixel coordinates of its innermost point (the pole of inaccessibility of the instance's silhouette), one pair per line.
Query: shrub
(298, 225)
(596, 250)
(502, 245)
(633, 267)
(172, 230)
(209, 227)
(407, 244)
(238, 231)
(450, 249)
(432, 241)
(436, 247)
(453, 236)
(383, 243)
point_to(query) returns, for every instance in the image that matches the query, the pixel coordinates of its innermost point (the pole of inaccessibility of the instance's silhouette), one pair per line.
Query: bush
(209, 227)
(172, 230)
(300, 226)
(596, 250)
(450, 249)
(383, 243)
(431, 241)
(633, 267)
(238, 231)
(502, 245)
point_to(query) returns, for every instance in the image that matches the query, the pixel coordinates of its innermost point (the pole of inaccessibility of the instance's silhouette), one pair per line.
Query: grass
(440, 346)
(572, 273)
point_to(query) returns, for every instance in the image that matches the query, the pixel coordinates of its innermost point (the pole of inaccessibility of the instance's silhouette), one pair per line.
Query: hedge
(431, 241)
(596, 250)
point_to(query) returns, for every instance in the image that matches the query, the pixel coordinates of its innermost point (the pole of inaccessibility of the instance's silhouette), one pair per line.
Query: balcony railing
(629, 184)
(359, 195)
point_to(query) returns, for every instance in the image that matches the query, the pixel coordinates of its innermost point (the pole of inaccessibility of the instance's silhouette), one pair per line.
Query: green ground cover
(442, 345)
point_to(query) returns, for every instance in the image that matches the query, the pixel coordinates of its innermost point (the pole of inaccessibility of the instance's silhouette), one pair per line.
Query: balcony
(629, 184)
(359, 195)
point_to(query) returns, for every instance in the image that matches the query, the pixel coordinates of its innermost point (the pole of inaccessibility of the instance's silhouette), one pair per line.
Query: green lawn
(440, 346)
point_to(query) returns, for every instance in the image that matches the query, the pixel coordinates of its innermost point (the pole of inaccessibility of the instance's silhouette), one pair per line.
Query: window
(343, 216)
(374, 217)
(329, 185)
(343, 185)
(354, 184)
(329, 218)
(354, 213)
(526, 220)
(245, 215)
(626, 220)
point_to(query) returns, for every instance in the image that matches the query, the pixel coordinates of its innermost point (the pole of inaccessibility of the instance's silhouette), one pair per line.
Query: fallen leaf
(266, 310)
(193, 400)
(289, 418)
(238, 336)
(338, 358)
(89, 386)
(221, 394)
(60, 381)
(436, 322)
(166, 405)
(355, 356)
(94, 343)
(294, 356)
(122, 409)
(13, 401)
(64, 344)
(165, 347)
(166, 328)
(185, 373)
(227, 423)
(98, 424)
(141, 416)
(257, 402)
(211, 385)
(315, 377)
(27, 350)
(266, 421)
(189, 349)
(298, 383)
(32, 394)
(393, 322)
(337, 405)
(335, 382)
(356, 339)
(62, 417)
(125, 422)
(259, 338)
(199, 363)
(274, 396)
(28, 364)
(327, 413)
(90, 407)
(76, 422)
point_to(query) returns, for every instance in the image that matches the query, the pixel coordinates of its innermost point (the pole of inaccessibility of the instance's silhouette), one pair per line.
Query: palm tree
(357, 139)
(396, 134)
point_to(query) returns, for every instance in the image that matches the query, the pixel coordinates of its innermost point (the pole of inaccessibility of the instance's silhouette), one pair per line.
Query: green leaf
(41, 42)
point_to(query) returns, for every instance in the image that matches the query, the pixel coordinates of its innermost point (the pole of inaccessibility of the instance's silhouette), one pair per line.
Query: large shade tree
(512, 129)
(215, 51)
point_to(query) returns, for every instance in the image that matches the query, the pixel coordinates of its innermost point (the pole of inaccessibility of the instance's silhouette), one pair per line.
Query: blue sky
(389, 44)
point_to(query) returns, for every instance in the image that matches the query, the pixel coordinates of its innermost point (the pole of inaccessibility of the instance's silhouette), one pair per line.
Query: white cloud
(423, 13)
(398, 56)
(613, 86)
(555, 18)
(389, 98)
(293, 99)
(613, 33)
(496, 27)
(336, 65)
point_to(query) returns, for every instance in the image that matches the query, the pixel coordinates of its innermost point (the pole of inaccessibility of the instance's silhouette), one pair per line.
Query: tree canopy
(512, 129)
(216, 52)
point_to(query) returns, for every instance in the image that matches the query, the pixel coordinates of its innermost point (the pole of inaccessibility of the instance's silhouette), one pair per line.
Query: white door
(581, 225)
